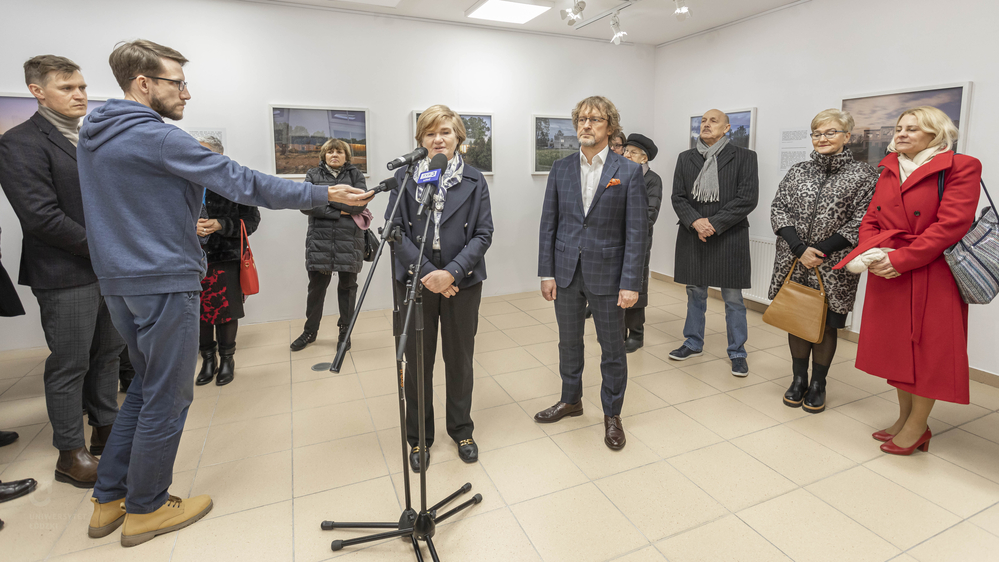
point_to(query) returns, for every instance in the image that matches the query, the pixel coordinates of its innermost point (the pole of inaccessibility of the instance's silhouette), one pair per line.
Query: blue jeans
(735, 320)
(162, 336)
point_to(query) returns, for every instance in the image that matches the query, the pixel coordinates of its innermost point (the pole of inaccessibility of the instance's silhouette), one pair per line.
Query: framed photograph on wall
(477, 150)
(743, 132)
(554, 138)
(18, 108)
(875, 116)
(298, 132)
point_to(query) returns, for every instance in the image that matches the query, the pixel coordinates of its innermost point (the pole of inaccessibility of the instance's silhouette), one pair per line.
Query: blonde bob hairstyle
(933, 121)
(434, 117)
(843, 118)
(335, 144)
(604, 106)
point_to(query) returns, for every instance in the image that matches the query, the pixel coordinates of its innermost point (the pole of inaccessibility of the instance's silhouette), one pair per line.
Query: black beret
(643, 142)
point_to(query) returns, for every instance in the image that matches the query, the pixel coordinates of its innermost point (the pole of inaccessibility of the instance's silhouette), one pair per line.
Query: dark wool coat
(836, 191)
(654, 189)
(915, 326)
(723, 261)
(224, 245)
(334, 241)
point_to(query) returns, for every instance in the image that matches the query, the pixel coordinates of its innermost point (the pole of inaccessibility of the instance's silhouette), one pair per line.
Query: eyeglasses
(181, 85)
(828, 134)
(633, 152)
(594, 120)
(616, 145)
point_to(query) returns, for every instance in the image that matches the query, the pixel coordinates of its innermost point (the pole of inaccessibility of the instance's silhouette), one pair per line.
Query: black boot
(799, 383)
(815, 401)
(303, 340)
(209, 365)
(343, 336)
(227, 366)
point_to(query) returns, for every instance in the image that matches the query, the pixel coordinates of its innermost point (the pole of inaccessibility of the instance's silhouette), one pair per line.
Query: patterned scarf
(706, 184)
(451, 177)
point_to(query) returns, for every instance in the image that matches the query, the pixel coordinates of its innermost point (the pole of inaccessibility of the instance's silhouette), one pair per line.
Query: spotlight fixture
(616, 28)
(574, 14)
(682, 12)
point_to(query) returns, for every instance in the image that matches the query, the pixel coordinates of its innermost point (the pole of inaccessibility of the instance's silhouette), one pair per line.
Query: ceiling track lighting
(575, 13)
(616, 29)
(682, 12)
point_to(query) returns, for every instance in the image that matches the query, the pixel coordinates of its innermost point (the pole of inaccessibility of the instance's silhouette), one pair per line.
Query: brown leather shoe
(77, 467)
(559, 411)
(614, 432)
(98, 439)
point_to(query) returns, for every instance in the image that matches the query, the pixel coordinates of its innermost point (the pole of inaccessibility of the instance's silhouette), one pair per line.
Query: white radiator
(762, 252)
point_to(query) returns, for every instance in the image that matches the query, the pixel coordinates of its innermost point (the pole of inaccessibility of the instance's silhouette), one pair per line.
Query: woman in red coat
(915, 324)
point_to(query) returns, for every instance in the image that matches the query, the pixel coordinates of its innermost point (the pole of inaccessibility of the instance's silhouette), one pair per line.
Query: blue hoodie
(142, 182)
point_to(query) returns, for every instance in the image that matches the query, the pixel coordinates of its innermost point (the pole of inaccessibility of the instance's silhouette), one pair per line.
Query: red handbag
(248, 280)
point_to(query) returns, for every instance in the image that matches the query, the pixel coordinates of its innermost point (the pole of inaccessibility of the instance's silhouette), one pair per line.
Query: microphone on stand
(418, 154)
(387, 184)
(431, 177)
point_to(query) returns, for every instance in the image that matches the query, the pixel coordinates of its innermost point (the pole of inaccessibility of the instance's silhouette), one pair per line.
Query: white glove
(860, 263)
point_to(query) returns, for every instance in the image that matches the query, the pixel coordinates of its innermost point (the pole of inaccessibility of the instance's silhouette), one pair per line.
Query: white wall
(246, 56)
(796, 62)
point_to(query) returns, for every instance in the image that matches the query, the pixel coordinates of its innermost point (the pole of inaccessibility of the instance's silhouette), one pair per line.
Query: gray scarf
(69, 127)
(706, 184)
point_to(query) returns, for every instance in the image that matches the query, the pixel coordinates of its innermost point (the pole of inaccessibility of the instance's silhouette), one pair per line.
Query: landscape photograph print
(299, 132)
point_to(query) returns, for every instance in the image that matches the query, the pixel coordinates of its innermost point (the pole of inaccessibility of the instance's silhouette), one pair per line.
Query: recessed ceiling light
(509, 11)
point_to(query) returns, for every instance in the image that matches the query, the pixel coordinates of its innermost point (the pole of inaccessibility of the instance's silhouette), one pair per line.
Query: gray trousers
(81, 373)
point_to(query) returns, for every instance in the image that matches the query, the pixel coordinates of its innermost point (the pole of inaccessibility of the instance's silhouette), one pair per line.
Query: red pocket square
(613, 182)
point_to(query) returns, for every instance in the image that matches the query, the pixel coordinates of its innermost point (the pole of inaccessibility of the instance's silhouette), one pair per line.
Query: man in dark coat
(38, 172)
(594, 229)
(715, 187)
(641, 150)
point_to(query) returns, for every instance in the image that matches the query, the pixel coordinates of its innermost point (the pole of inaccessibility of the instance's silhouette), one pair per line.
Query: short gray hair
(844, 119)
(214, 143)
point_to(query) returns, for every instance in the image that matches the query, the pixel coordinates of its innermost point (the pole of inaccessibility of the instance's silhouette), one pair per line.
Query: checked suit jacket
(608, 240)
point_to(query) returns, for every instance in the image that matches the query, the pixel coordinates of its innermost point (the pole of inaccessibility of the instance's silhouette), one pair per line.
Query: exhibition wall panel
(793, 63)
(247, 57)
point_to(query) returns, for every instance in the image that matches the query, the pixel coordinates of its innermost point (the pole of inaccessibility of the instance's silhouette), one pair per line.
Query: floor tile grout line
(69, 521)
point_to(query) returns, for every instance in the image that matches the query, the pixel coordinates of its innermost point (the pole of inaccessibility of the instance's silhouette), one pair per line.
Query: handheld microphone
(431, 177)
(418, 154)
(387, 185)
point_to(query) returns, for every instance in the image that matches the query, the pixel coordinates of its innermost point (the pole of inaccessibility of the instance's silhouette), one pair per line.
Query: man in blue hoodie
(142, 182)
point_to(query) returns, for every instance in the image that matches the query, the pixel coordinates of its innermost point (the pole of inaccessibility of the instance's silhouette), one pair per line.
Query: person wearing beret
(641, 150)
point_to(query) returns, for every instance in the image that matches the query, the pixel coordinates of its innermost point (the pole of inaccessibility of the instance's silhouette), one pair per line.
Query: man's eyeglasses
(828, 134)
(594, 120)
(181, 85)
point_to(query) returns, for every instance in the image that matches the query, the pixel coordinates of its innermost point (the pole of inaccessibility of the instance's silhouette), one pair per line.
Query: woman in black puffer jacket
(221, 294)
(334, 244)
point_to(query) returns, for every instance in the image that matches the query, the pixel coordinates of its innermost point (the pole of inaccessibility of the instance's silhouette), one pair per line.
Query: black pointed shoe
(468, 451)
(303, 340)
(209, 365)
(414, 459)
(16, 488)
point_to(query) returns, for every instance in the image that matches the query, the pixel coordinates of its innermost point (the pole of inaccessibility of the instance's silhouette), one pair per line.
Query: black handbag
(370, 245)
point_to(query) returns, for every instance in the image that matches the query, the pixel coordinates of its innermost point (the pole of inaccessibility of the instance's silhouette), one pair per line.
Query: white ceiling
(646, 21)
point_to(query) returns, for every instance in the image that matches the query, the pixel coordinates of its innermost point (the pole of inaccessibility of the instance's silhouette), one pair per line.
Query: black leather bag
(370, 245)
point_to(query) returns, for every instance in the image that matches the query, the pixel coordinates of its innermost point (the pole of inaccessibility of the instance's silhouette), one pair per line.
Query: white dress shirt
(589, 177)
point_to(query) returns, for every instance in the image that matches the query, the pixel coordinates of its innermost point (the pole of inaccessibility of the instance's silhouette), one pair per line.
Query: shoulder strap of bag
(242, 237)
(941, 176)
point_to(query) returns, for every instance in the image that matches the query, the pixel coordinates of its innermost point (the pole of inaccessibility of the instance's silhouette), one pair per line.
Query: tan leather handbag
(799, 309)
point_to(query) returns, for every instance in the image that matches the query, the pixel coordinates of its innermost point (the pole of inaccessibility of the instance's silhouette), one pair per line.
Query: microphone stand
(422, 525)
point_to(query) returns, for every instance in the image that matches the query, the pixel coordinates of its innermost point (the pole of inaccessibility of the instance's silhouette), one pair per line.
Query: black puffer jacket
(223, 245)
(334, 242)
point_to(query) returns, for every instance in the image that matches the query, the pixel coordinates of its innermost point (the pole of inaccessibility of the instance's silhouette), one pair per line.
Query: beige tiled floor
(716, 468)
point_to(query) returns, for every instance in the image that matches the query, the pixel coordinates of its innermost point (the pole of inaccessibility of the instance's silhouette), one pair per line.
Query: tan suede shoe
(174, 515)
(106, 518)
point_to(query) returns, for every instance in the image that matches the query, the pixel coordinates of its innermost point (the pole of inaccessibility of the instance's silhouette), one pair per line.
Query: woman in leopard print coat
(817, 214)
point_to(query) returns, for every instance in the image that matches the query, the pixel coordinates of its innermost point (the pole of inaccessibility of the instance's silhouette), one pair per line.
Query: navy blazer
(608, 240)
(39, 176)
(466, 229)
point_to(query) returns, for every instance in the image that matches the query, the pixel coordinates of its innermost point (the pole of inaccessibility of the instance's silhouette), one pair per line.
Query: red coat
(915, 327)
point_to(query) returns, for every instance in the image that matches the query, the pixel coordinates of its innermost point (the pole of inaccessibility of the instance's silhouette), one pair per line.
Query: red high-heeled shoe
(882, 435)
(923, 444)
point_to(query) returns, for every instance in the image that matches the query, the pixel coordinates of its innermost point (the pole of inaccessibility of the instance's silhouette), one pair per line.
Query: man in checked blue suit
(594, 229)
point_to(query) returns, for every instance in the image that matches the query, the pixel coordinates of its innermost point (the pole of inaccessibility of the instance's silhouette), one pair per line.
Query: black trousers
(634, 320)
(346, 293)
(226, 334)
(458, 318)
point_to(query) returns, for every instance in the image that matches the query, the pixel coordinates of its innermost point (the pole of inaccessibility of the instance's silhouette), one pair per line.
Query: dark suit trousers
(346, 293)
(83, 365)
(608, 318)
(458, 318)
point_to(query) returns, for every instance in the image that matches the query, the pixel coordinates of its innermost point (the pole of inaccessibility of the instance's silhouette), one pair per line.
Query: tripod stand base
(411, 526)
